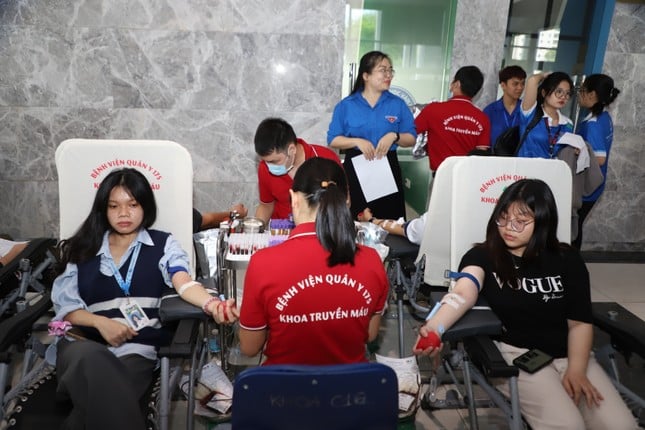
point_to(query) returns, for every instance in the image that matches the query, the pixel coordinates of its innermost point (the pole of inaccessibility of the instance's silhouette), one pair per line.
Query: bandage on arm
(454, 304)
(433, 338)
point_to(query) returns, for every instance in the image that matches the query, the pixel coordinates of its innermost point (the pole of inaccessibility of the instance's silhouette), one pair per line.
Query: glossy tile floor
(619, 282)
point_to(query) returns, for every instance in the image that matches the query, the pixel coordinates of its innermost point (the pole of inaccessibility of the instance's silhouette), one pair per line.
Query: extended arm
(12, 253)
(391, 226)
(223, 311)
(264, 211)
(213, 219)
(454, 305)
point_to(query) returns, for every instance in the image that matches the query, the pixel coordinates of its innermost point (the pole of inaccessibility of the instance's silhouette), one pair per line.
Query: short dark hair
(471, 80)
(273, 134)
(510, 72)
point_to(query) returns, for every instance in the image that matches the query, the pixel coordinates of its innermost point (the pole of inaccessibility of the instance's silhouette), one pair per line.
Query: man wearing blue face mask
(281, 153)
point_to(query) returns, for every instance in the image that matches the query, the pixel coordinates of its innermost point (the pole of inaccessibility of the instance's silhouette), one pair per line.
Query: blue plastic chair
(345, 396)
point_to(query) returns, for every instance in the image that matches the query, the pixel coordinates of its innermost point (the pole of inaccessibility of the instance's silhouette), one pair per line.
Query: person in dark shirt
(539, 288)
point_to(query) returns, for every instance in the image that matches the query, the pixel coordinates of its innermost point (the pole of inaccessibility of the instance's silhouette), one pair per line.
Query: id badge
(134, 315)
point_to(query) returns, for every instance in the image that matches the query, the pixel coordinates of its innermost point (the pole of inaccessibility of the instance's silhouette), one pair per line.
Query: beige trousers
(546, 405)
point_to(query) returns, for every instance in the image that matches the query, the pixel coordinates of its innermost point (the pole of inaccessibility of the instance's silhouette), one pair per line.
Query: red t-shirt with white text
(314, 314)
(455, 127)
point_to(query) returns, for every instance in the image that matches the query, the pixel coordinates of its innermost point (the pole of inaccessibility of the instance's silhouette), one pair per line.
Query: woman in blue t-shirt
(596, 94)
(545, 94)
(373, 122)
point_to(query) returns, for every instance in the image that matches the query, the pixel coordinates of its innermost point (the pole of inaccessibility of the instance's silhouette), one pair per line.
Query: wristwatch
(398, 136)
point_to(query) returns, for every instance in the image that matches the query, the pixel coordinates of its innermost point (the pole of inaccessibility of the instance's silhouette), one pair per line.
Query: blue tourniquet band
(456, 275)
(441, 329)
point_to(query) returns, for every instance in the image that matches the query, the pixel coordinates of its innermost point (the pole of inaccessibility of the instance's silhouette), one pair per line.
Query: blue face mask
(279, 169)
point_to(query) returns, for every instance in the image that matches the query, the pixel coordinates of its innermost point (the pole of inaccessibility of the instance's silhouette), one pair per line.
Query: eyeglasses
(560, 93)
(385, 72)
(515, 224)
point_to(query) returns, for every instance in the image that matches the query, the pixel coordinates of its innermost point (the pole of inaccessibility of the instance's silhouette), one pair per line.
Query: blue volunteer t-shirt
(354, 117)
(599, 132)
(538, 142)
(500, 120)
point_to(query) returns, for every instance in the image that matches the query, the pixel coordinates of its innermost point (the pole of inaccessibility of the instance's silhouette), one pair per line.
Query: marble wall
(201, 73)
(205, 72)
(616, 221)
(480, 29)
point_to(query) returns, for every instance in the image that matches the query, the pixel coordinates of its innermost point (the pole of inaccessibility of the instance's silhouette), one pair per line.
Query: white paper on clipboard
(375, 177)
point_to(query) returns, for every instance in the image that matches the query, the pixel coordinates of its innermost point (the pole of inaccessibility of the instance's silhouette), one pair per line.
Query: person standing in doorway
(372, 122)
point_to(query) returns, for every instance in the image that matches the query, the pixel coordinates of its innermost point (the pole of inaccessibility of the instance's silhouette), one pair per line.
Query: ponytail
(603, 86)
(324, 185)
(334, 225)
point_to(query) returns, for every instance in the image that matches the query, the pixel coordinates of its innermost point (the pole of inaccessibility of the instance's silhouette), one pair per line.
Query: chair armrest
(174, 308)
(474, 329)
(35, 251)
(16, 327)
(626, 330)
(183, 340)
(478, 321)
(401, 247)
(484, 354)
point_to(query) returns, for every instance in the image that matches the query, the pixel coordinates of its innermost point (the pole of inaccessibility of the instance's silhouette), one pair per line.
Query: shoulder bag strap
(539, 113)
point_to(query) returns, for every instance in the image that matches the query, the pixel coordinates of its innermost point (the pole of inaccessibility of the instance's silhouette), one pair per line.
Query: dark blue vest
(147, 281)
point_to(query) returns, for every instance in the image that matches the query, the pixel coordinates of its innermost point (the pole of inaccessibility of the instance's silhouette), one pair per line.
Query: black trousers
(105, 390)
(389, 207)
(582, 214)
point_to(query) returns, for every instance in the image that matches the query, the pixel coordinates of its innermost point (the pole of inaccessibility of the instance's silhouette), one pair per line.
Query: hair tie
(326, 184)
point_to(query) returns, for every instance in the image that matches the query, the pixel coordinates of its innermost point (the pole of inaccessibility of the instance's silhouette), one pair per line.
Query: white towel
(577, 142)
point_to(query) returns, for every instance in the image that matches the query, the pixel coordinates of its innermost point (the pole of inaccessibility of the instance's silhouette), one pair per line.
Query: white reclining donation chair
(464, 193)
(82, 164)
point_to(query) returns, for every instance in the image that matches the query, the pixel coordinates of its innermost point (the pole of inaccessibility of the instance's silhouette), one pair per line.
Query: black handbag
(508, 143)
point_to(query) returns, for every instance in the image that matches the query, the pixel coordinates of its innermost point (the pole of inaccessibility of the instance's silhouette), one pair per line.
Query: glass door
(417, 35)
(558, 35)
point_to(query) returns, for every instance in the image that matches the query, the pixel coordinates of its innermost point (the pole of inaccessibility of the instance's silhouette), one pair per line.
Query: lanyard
(125, 285)
(552, 139)
(512, 116)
